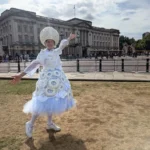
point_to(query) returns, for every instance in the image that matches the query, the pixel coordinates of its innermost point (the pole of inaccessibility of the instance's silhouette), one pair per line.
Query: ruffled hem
(50, 98)
(54, 106)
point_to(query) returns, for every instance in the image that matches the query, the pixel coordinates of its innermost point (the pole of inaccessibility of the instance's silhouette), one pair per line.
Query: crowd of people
(21, 57)
(32, 56)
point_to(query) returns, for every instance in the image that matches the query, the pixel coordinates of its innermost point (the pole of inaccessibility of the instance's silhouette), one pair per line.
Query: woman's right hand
(16, 79)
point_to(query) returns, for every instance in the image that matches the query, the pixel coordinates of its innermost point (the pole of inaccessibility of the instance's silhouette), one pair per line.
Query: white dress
(53, 93)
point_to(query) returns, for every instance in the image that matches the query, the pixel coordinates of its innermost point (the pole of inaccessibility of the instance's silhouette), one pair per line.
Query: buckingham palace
(19, 33)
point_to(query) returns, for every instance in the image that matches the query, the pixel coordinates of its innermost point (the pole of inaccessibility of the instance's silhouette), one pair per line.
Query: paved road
(89, 65)
(94, 76)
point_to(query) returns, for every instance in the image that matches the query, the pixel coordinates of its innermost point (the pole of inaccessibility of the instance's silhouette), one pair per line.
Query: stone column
(118, 42)
(1, 49)
(111, 41)
(81, 37)
(86, 37)
(80, 51)
(90, 38)
(14, 31)
(35, 33)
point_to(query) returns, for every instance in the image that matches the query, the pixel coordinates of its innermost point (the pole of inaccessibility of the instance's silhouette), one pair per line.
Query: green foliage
(124, 39)
(142, 44)
(147, 42)
(24, 87)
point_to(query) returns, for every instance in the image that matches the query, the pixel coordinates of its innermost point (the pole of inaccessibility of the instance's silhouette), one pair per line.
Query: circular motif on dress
(42, 75)
(42, 83)
(49, 74)
(53, 83)
(50, 92)
(57, 73)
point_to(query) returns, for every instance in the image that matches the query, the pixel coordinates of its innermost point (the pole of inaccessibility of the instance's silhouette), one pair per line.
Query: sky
(131, 17)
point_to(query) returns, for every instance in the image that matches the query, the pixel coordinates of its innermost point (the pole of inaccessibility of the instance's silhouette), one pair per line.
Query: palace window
(19, 28)
(31, 29)
(26, 38)
(25, 28)
(32, 39)
(20, 38)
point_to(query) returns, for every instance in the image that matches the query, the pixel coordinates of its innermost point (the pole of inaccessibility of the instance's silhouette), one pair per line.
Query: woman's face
(49, 44)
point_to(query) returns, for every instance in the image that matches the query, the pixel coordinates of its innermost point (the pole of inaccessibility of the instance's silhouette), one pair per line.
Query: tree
(132, 41)
(124, 39)
(143, 44)
(147, 42)
(140, 45)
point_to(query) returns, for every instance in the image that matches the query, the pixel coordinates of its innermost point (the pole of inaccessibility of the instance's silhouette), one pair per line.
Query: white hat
(49, 33)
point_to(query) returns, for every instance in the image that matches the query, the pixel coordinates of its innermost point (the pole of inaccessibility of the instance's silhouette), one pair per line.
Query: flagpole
(74, 11)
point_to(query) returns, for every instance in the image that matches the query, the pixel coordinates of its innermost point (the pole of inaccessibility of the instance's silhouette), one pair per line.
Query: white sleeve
(62, 45)
(34, 65)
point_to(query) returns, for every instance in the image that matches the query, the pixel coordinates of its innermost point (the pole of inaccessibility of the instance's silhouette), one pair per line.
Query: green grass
(24, 87)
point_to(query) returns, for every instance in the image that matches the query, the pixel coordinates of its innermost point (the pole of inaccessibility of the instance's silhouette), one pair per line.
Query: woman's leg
(30, 124)
(33, 119)
(49, 121)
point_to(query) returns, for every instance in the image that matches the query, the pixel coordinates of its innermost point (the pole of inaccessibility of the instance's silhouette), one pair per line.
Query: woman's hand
(17, 78)
(72, 36)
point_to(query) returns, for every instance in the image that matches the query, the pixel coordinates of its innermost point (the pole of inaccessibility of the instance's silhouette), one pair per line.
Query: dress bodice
(48, 59)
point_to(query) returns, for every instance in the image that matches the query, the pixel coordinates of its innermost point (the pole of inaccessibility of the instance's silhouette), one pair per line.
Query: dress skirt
(53, 94)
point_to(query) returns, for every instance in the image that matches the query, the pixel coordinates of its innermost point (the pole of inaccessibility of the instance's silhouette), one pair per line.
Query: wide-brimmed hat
(49, 33)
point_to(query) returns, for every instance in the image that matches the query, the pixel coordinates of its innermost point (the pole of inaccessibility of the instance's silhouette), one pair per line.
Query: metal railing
(86, 65)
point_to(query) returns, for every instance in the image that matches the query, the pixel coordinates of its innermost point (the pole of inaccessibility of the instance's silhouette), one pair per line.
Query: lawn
(108, 116)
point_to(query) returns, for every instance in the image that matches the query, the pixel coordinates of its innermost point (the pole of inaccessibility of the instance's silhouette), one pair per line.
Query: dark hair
(53, 41)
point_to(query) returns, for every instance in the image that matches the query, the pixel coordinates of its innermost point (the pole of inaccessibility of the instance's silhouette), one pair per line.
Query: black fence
(86, 65)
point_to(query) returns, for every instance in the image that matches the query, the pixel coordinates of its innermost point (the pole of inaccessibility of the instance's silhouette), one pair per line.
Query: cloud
(125, 19)
(89, 17)
(83, 10)
(130, 17)
(129, 13)
(50, 12)
(88, 4)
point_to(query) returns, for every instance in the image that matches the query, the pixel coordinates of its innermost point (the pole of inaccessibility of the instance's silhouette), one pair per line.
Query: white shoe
(53, 126)
(29, 129)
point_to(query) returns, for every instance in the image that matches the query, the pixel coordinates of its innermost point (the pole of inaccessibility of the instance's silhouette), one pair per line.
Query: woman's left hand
(72, 36)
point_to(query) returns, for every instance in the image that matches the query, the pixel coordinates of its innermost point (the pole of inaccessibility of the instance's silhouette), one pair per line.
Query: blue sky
(3, 1)
(131, 17)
